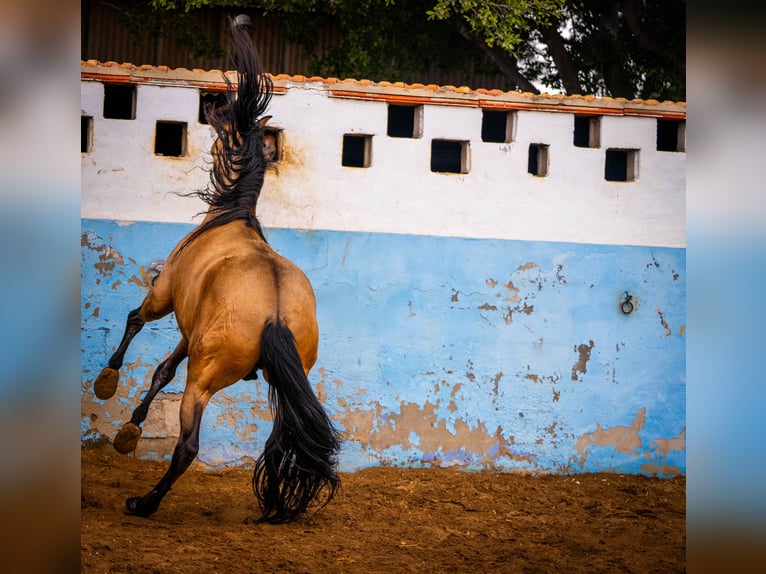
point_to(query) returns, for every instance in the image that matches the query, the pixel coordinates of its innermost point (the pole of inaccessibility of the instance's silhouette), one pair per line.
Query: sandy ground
(385, 520)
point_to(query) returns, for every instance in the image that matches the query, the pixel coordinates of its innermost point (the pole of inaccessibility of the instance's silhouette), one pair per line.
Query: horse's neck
(208, 218)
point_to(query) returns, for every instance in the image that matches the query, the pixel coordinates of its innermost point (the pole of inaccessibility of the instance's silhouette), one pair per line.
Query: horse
(240, 308)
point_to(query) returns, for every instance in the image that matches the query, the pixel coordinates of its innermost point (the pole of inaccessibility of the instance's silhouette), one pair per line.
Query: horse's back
(228, 283)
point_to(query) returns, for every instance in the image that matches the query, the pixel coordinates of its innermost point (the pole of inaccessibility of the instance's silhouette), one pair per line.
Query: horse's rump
(228, 283)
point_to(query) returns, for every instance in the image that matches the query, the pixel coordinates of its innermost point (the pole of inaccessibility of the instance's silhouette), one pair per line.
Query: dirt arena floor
(385, 520)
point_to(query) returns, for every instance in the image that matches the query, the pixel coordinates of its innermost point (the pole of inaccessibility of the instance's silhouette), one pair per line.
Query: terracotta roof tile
(396, 91)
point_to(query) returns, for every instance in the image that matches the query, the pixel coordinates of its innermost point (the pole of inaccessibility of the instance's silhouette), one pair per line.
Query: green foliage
(143, 19)
(630, 48)
(499, 24)
(188, 5)
(378, 39)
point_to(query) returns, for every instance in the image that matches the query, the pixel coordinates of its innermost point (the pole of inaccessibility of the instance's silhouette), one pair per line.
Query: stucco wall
(469, 319)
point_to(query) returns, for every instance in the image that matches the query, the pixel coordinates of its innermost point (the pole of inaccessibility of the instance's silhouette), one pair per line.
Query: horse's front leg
(187, 447)
(127, 439)
(106, 382)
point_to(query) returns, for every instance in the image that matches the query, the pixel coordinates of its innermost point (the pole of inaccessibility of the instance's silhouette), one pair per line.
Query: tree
(620, 48)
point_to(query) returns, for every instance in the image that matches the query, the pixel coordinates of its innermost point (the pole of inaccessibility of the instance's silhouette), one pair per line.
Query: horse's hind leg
(196, 396)
(127, 439)
(106, 382)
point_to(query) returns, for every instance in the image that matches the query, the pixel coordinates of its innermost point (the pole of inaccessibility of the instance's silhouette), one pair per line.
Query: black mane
(237, 176)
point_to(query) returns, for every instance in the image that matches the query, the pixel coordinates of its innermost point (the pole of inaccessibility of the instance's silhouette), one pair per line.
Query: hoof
(106, 384)
(127, 439)
(133, 506)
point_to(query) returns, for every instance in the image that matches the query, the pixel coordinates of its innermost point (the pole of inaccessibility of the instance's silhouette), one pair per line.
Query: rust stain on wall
(622, 438)
(581, 366)
(498, 376)
(665, 326)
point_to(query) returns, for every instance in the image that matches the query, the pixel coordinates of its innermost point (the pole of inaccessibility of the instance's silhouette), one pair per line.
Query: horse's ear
(264, 120)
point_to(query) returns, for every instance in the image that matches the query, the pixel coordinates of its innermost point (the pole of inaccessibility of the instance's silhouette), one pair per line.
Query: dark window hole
(671, 135)
(496, 126)
(537, 163)
(170, 139)
(209, 100)
(272, 144)
(356, 150)
(449, 156)
(404, 121)
(86, 134)
(587, 131)
(621, 165)
(119, 102)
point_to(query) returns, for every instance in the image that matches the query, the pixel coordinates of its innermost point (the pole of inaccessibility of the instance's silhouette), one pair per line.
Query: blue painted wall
(488, 354)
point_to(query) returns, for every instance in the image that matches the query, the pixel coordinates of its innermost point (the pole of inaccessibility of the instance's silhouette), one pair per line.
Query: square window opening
(357, 150)
(621, 165)
(537, 163)
(450, 156)
(170, 139)
(405, 121)
(497, 126)
(86, 134)
(272, 144)
(209, 100)
(119, 102)
(587, 131)
(671, 135)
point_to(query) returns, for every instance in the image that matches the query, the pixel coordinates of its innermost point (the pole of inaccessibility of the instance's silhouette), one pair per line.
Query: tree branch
(508, 65)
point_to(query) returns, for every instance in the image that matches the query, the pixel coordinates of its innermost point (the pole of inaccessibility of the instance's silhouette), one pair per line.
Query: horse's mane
(238, 169)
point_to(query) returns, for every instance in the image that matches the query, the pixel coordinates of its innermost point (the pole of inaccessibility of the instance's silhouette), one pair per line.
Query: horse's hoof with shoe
(106, 383)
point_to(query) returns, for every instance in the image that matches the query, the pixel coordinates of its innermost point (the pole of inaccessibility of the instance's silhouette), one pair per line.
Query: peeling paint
(621, 438)
(665, 445)
(432, 432)
(436, 386)
(582, 362)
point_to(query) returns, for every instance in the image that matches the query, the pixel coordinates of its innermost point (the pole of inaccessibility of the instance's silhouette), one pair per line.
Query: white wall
(398, 193)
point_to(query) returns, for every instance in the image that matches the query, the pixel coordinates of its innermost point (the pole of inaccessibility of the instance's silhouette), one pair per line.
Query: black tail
(299, 459)
(237, 176)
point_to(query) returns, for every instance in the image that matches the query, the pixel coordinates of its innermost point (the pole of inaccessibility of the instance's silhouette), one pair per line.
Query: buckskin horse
(240, 308)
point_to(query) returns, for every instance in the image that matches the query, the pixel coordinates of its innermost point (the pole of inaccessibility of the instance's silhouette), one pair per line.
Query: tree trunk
(564, 65)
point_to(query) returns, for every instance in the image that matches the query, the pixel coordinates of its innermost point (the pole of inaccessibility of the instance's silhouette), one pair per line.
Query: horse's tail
(239, 164)
(299, 458)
